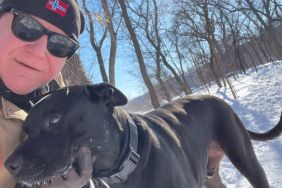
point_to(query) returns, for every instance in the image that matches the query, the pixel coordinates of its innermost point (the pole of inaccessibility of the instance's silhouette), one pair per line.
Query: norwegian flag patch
(57, 6)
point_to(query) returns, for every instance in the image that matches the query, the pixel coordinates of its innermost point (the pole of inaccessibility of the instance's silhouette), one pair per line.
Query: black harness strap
(124, 167)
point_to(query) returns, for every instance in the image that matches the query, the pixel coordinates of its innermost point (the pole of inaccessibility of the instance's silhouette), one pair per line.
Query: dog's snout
(14, 164)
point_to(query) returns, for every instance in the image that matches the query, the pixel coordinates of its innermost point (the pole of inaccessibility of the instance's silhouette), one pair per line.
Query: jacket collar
(11, 111)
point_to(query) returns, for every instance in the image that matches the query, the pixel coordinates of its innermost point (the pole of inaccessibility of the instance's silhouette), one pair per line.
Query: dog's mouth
(78, 168)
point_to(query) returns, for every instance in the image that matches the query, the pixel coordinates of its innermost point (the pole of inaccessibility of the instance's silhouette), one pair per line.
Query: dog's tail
(269, 135)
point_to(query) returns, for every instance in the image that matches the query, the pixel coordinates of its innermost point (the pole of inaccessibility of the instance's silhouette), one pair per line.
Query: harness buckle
(127, 168)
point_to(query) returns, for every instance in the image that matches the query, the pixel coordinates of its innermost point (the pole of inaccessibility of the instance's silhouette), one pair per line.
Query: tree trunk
(186, 90)
(101, 65)
(145, 76)
(96, 47)
(73, 72)
(113, 36)
(158, 76)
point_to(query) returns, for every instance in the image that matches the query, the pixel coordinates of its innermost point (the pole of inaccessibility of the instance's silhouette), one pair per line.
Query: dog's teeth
(64, 176)
(50, 181)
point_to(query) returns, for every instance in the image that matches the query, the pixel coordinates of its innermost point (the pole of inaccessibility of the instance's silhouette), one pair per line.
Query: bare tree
(113, 37)
(192, 20)
(97, 46)
(154, 38)
(198, 20)
(264, 12)
(148, 83)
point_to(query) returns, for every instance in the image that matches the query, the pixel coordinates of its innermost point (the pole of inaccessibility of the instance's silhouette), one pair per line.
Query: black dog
(179, 145)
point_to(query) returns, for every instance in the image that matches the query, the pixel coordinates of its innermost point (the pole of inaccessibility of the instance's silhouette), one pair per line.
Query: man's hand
(75, 179)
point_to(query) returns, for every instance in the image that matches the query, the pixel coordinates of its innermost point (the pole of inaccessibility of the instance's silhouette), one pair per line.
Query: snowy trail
(258, 105)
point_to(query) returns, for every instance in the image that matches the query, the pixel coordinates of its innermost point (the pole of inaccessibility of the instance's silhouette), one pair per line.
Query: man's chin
(20, 87)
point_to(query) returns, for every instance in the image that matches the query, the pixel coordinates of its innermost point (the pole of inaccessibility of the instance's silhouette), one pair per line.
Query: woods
(177, 45)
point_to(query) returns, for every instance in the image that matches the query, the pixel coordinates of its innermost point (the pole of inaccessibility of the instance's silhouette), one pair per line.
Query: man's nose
(38, 47)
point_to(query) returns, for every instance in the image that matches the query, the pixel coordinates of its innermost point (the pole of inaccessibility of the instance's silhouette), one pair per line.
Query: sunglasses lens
(29, 29)
(60, 46)
(26, 28)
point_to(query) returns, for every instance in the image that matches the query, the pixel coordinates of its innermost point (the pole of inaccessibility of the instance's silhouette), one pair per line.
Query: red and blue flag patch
(57, 6)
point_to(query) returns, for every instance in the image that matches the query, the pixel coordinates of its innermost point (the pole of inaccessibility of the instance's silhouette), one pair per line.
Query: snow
(258, 105)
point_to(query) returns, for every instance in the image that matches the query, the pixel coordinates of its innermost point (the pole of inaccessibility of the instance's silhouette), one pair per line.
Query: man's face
(25, 66)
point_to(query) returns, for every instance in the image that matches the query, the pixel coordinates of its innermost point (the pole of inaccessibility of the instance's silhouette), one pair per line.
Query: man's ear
(106, 92)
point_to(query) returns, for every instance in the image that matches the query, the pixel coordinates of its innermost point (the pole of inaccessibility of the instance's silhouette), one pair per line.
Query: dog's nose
(14, 163)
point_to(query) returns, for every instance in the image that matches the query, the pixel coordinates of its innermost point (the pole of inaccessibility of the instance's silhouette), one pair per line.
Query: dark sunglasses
(28, 29)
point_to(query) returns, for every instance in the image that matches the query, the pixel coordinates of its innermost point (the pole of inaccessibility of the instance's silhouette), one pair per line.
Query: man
(36, 38)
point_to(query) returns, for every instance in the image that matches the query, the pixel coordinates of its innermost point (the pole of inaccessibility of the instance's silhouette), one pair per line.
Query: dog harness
(124, 167)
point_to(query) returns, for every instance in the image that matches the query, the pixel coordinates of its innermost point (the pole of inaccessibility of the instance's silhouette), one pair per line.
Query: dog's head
(59, 124)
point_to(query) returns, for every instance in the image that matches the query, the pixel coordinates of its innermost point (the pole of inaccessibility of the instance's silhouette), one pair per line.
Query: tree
(154, 38)
(97, 46)
(73, 72)
(113, 35)
(267, 12)
(198, 21)
(148, 83)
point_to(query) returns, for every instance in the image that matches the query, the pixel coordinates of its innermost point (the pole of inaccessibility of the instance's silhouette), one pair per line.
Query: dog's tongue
(85, 161)
(75, 179)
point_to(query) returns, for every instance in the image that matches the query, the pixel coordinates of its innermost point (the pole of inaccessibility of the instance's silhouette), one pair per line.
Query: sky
(258, 105)
(127, 76)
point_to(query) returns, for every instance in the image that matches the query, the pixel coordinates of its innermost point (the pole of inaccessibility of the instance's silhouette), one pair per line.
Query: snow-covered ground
(259, 105)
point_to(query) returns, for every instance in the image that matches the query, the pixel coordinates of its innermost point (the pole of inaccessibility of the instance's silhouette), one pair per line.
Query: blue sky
(128, 83)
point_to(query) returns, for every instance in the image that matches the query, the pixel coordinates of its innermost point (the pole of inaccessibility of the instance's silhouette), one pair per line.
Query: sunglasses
(28, 29)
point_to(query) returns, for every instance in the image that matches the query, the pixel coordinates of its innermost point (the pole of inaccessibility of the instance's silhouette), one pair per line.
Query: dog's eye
(54, 119)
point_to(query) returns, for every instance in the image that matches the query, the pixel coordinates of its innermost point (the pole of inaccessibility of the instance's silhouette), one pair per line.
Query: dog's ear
(107, 92)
